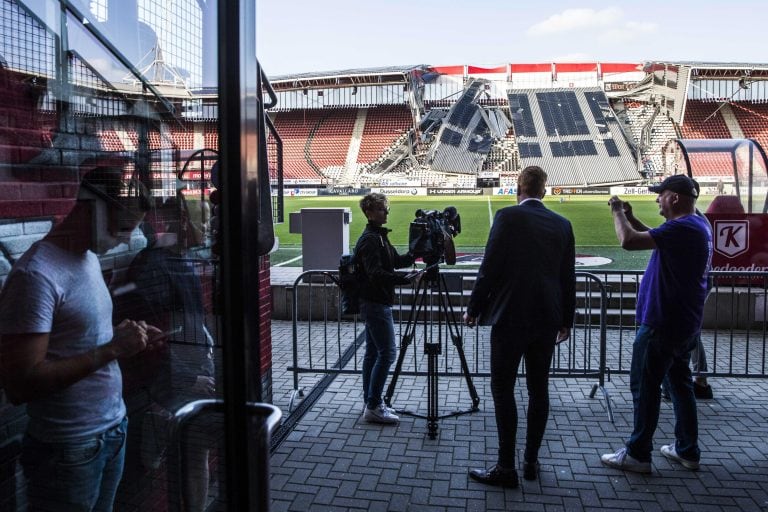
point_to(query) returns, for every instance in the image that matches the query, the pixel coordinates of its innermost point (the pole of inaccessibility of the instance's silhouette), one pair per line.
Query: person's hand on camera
(469, 320)
(563, 334)
(617, 205)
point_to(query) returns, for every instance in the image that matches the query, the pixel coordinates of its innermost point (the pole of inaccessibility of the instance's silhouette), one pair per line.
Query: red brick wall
(265, 327)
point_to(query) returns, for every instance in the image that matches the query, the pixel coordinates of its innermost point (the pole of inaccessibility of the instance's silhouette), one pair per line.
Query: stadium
(464, 127)
(228, 152)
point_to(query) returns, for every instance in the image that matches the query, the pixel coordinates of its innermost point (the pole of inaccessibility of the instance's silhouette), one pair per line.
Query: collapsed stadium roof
(377, 75)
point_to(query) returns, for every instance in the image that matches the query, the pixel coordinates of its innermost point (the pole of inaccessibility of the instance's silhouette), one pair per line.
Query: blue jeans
(73, 476)
(379, 350)
(653, 357)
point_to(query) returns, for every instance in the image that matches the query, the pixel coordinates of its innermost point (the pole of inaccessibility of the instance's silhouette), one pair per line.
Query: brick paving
(333, 461)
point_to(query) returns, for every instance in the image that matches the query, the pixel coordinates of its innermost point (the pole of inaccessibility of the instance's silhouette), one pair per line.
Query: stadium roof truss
(671, 84)
(350, 77)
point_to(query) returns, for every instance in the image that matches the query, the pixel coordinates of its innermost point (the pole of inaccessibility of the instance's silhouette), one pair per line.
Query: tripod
(432, 348)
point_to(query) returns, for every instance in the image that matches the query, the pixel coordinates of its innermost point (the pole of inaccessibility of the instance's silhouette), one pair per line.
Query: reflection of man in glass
(167, 292)
(59, 350)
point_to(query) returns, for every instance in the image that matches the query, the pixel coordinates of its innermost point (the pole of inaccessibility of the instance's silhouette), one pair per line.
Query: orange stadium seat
(383, 126)
(698, 123)
(753, 120)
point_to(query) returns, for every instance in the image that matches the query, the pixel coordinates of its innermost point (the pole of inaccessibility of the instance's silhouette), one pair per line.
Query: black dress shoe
(702, 391)
(495, 476)
(531, 470)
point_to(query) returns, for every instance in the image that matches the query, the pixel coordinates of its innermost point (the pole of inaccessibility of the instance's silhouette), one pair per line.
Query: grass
(590, 216)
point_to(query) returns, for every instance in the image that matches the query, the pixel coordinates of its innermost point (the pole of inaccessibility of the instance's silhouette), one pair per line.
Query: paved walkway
(334, 461)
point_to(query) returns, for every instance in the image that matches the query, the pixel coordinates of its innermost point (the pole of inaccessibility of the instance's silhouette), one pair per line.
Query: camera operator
(378, 260)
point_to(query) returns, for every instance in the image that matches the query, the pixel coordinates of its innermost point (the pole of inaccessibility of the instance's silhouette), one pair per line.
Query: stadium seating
(329, 142)
(662, 130)
(711, 164)
(383, 126)
(753, 119)
(700, 123)
(294, 128)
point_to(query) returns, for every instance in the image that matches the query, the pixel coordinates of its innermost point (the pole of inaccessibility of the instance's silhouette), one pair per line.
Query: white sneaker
(380, 415)
(624, 461)
(391, 410)
(668, 450)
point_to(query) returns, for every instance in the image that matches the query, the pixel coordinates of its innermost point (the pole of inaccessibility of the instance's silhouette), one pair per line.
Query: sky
(300, 36)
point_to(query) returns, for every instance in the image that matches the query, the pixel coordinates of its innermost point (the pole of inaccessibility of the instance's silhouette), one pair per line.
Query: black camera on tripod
(431, 234)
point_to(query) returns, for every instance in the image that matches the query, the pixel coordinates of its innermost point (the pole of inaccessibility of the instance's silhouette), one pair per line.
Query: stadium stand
(383, 126)
(650, 132)
(753, 120)
(703, 120)
(294, 128)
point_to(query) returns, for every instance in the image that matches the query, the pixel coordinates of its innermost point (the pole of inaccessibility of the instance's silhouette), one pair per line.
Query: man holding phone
(59, 350)
(525, 290)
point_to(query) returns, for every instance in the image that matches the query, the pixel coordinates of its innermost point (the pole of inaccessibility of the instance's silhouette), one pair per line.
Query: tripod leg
(432, 411)
(407, 339)
(458, 341)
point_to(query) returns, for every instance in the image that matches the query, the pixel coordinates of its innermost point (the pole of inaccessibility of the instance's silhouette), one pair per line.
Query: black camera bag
(350, 278)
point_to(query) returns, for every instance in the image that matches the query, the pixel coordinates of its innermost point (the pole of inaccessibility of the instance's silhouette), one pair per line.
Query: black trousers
(509, 345)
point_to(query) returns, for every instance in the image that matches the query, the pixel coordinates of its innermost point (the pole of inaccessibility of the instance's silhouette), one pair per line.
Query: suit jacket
(527, 277)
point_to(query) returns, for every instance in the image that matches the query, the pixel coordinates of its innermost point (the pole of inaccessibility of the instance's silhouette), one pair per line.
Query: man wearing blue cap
(670, 307)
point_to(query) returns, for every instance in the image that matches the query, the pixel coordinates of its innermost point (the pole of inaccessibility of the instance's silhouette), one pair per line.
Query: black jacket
(527, 277)
(378, 260)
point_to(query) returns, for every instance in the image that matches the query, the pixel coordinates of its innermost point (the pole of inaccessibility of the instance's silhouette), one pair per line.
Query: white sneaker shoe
(668, 450)
(380, 414)
(391, 410)
(624, 461)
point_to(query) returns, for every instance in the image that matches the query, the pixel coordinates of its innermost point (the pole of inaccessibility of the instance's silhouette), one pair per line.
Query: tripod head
(431, 273)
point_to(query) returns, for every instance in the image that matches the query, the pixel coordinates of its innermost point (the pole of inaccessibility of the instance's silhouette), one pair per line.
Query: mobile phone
(167, 333)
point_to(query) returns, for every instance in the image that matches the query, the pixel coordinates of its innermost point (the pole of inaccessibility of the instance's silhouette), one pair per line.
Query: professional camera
(431, 235)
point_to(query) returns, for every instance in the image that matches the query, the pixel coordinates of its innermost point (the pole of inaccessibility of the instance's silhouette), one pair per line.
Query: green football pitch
(590, 216)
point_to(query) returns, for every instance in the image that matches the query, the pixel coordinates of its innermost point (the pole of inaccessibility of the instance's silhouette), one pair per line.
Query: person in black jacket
(378, 261)
(525, 290)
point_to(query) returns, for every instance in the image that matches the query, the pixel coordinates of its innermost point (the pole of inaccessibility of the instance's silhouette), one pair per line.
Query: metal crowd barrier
(326, 342)
(734, 334)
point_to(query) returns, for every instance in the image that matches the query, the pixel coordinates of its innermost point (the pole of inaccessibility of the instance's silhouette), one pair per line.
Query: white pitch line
(490, 213)
(287, 261)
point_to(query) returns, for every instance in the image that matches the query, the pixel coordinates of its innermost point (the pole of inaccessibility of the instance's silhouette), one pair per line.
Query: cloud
(627, 32)
(577, 19)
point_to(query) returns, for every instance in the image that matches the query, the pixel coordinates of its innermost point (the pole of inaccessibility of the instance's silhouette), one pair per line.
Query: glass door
(133, 168)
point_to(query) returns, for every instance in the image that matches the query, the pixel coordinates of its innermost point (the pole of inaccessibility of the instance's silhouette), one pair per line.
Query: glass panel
(109, 281)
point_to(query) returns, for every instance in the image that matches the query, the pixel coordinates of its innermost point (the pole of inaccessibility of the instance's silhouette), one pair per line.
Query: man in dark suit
(525, 290)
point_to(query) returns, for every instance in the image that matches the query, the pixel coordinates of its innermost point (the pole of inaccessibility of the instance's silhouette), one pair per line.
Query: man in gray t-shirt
(59, 351)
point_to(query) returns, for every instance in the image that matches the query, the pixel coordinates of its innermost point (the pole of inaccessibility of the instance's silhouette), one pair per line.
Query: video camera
(431, 235)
